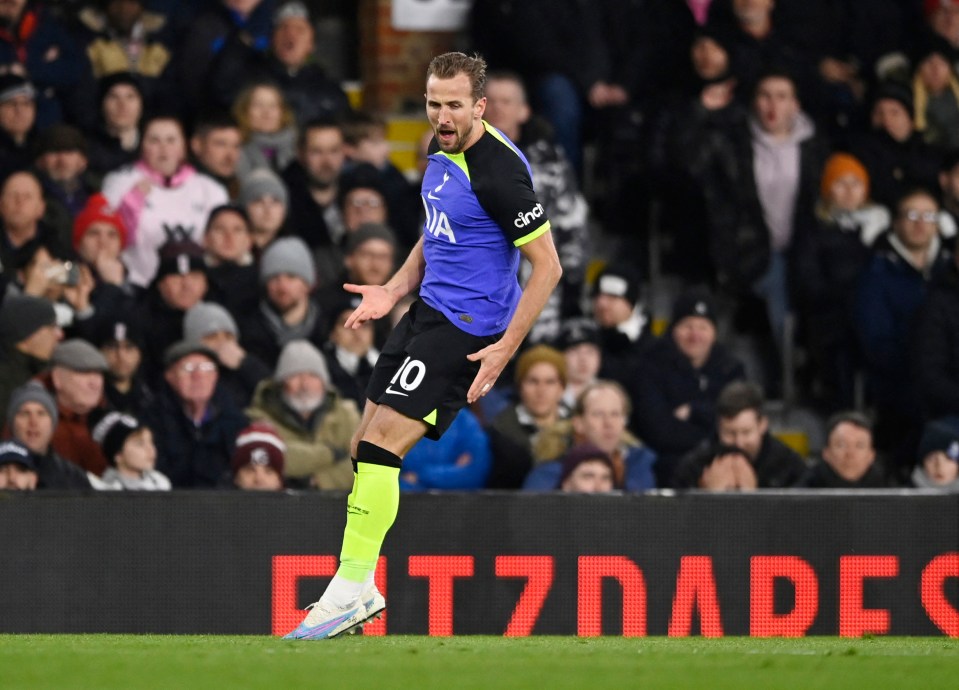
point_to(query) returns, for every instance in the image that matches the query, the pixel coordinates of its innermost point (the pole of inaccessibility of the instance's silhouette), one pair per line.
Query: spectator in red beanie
(258, 459)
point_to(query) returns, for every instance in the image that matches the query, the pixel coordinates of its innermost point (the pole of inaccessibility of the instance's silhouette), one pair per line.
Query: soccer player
(471, 316)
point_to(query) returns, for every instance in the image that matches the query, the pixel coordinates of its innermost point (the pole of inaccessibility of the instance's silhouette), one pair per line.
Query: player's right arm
(378, 300)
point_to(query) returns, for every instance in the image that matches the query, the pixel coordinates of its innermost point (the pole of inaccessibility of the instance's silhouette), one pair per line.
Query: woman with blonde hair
(268, 127)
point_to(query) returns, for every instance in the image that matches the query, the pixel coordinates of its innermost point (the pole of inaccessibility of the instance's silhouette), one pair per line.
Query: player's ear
(479, 107)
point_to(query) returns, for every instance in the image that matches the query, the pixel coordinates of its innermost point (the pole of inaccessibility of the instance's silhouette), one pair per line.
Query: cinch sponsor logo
(524, 219)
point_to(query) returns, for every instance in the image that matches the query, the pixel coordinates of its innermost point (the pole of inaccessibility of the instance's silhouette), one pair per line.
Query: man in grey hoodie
(760, 189)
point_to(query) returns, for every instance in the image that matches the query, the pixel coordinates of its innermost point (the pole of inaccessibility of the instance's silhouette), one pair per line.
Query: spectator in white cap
(76, 382)
(316, 424)
(128, 446)
(120, 340)
(17, 469)
(31, 420)
(624, 328)
(258, 459)
(211, 325)
(180, 282)
(264, 197)
(287, 311)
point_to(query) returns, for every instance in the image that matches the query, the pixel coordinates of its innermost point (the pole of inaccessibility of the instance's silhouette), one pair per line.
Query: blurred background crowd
(755, 204)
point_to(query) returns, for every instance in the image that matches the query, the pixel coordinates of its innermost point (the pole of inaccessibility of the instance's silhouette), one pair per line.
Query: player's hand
(376, 303)
(492, 359)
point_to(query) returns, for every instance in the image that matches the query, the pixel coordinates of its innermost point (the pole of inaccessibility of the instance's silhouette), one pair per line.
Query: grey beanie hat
(206, 318)
(298, 357)
(262, 182)
(31, 391)
(288, 255)
(78, 355)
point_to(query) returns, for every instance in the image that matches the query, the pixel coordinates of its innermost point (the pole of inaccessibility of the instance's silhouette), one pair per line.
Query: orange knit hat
(839, 164)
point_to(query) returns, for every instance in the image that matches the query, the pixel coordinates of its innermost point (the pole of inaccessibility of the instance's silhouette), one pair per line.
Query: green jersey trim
(542, 229)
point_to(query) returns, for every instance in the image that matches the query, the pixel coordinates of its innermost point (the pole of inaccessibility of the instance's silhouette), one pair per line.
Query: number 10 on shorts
(410, 374)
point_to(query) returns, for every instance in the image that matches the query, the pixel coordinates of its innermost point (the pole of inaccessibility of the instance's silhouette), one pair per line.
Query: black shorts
(423, 372)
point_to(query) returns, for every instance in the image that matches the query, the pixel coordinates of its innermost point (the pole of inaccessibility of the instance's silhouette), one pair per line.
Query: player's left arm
(541, 253)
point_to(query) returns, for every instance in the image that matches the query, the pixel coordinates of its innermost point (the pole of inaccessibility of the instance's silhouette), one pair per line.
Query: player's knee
(377, 455)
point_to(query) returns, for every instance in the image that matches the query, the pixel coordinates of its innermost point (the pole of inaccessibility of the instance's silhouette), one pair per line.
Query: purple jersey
(480, 206)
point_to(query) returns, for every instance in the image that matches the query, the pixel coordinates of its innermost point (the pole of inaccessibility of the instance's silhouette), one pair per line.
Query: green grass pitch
(423, 663)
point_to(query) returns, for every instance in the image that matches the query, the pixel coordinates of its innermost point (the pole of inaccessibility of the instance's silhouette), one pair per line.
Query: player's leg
(351, 597)
(375, 501)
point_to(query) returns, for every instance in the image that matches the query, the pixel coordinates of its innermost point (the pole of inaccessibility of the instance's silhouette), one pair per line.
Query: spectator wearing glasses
(194, 423)
(891, 293)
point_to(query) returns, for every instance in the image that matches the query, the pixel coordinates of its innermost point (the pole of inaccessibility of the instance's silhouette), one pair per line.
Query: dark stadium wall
(785, 564)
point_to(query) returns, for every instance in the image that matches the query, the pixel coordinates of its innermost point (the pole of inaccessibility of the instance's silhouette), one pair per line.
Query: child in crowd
(938, 466)
(128, 447)
(258, 459)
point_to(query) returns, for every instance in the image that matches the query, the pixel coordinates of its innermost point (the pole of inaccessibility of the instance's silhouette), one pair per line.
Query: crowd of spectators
(182, 201)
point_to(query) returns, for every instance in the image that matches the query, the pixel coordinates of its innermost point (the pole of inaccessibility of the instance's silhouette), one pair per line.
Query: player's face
(849, 451)
(745, 431)
(452, 112)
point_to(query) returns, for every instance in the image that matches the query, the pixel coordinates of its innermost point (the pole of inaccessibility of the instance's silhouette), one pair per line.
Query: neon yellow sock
(371, 510)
